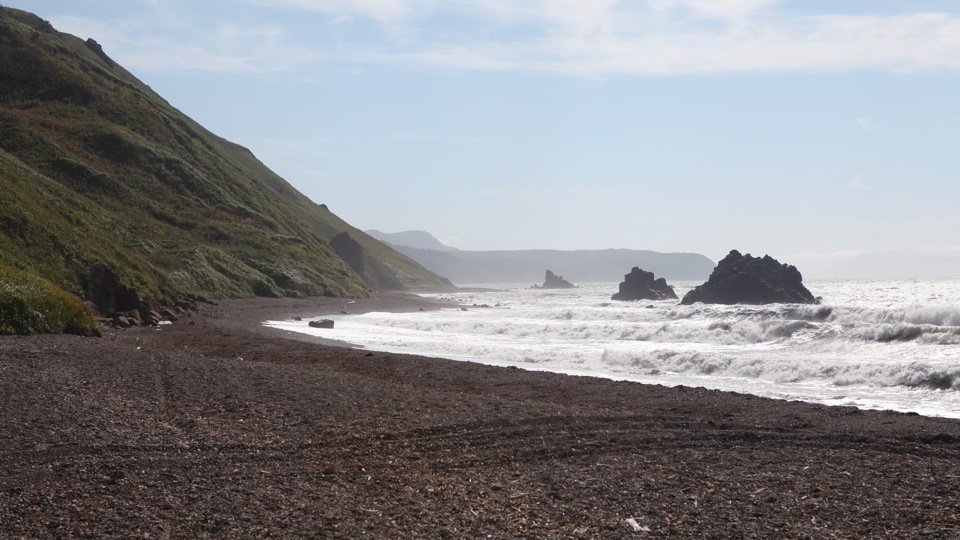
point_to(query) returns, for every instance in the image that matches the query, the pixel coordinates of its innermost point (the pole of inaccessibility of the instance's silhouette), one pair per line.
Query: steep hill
(528, 266)
(97, 168)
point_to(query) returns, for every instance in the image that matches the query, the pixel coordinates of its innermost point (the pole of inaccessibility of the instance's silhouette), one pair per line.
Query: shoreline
(899, 398)
(217, 426)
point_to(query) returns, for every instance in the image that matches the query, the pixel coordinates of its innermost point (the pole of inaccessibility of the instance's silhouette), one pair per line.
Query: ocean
(870, 344)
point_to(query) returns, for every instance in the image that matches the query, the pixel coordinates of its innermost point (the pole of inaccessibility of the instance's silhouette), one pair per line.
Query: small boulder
(322, 323)
(744, 279)
(642, 285)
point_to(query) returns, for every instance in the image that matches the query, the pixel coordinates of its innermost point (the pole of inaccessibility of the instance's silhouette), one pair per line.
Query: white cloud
(676, 46)
(575, 37)
(581, 19)
(730, 10)
(382, 10)
(227, 49)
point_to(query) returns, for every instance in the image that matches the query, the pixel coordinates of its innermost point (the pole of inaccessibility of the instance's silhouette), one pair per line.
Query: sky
(823, 133)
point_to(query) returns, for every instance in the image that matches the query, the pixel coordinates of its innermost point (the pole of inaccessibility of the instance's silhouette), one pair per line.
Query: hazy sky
(823, 133)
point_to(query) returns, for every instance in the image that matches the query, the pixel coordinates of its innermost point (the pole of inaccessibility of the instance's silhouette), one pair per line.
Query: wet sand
(218, 427)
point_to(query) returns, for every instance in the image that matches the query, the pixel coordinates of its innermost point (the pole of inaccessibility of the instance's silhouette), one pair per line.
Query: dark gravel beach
(217, 427)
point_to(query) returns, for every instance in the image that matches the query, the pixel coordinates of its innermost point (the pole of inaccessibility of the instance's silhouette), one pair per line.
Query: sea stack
(553, 281)
(744, 279)
(642, 285)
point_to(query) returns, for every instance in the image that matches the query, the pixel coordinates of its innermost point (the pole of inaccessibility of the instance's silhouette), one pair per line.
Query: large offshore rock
(744, 279)
(642, 285)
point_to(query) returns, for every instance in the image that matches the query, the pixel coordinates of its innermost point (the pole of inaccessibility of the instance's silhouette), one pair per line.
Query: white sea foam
(880, 344)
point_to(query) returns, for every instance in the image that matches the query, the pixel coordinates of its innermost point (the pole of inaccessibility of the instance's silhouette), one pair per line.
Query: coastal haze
(519, 266)
(824, 134)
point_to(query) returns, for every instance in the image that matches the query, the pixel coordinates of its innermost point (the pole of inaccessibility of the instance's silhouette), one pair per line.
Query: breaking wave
(783, 370)
(890, 344)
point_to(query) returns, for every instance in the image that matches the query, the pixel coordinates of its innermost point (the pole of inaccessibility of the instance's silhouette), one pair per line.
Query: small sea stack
(642, 285)
(553, 281)
(744, 279)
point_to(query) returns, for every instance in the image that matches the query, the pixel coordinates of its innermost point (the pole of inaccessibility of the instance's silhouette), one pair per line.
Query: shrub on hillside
(33, 305)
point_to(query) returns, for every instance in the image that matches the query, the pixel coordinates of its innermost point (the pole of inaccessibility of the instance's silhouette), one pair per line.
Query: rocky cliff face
(642, 285)
(349, 250)
(373, 272)
(744, 279)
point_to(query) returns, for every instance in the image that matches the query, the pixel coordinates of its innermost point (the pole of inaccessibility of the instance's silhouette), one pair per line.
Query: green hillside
(30, 305)
(97, 168)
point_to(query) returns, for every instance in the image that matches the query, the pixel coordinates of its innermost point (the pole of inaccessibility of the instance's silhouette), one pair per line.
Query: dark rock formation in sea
(642, 285)
(744, 279)
(553, 281)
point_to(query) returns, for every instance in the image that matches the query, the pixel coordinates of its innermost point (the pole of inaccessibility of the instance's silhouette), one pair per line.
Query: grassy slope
(29, 304)
(96, 167)
(384, 265)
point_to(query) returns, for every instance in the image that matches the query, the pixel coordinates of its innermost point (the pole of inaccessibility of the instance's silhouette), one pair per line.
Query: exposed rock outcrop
(553, 281)
(744, 279)
(98, 50)
(107, 293)
(373, 272)
(349, 250)
(642, 285)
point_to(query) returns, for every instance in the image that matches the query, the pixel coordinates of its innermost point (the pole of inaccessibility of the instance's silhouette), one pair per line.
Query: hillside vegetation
(30, 305)
(97, 168)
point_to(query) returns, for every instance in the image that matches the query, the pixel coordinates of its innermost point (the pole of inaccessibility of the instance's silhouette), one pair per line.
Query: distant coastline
(528, 266)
